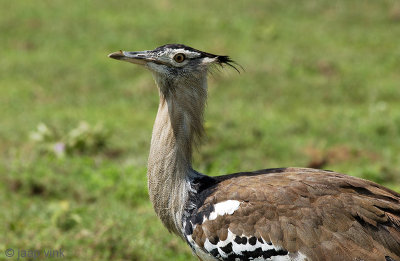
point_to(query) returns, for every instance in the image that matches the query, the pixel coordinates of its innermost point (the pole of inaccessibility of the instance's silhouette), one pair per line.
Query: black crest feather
(224, 59)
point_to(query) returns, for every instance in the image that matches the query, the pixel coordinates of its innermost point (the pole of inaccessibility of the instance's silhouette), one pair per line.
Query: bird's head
(174, 61)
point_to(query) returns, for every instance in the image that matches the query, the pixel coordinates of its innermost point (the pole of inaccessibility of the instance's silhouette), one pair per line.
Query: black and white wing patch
(208, 233)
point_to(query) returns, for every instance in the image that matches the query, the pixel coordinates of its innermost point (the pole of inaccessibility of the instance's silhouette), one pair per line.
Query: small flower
(59, 149)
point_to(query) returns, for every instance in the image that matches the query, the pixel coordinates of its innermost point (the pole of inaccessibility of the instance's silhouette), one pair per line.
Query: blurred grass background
(321, 88)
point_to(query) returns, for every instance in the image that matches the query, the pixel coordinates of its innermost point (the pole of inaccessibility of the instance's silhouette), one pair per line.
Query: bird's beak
(140, 58)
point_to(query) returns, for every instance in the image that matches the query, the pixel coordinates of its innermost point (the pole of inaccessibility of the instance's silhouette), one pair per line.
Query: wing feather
(322, 215)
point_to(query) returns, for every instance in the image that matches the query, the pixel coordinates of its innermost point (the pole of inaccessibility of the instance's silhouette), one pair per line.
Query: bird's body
(294, 214)
(273, 214)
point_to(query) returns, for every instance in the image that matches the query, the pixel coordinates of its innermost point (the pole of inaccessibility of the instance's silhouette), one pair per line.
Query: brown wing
(299, 213)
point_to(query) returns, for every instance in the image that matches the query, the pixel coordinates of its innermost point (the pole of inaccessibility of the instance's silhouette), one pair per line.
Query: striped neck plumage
(177, 128)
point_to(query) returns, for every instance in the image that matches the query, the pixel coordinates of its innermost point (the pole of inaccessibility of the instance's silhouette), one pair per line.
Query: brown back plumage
(324, 215)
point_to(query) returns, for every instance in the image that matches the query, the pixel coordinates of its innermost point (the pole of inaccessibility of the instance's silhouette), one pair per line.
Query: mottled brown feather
(324, 215)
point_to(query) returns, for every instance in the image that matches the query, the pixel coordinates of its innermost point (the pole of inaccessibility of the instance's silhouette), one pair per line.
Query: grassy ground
(320, 88)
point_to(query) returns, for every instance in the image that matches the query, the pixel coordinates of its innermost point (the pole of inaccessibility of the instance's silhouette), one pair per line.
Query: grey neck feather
(179, 123)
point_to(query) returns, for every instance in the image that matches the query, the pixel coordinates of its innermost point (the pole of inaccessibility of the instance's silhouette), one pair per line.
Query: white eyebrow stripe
(188, 53)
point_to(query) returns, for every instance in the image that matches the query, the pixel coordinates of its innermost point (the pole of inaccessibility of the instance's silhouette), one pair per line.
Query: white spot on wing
(223, 208)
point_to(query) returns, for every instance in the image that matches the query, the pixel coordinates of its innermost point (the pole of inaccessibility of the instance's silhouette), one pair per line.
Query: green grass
(321, 85)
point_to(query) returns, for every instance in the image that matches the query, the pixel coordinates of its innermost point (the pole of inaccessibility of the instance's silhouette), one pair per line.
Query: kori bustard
(271, 214)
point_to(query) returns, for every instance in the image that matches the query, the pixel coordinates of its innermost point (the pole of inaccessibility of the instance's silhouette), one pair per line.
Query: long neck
(178, 124)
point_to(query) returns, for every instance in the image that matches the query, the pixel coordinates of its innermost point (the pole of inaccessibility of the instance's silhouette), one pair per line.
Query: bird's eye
(180, 57)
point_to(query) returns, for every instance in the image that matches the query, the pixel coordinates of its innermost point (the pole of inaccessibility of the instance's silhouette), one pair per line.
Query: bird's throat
(178, 124)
